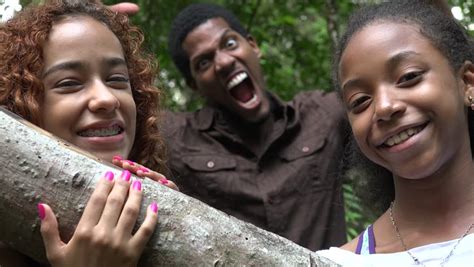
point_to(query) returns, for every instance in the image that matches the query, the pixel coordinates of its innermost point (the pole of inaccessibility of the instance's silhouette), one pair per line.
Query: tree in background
(296, 38)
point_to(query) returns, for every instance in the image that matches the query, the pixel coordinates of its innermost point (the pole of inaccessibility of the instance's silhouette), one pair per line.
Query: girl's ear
(467, 74)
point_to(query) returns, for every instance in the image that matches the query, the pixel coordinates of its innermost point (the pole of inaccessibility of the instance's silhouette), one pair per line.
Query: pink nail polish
(109, 176)
(41, 211)
(163, 181)
(137, 185)
(143, 169)
(154, 207)
(130, 162)
(117, 157)
(126, 175)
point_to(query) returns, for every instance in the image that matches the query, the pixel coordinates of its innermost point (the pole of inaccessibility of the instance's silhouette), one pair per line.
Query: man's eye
(231, 43)
(410, 78)
(202, 64)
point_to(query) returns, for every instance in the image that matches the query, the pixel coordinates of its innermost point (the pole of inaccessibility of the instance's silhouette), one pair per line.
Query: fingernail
(41, 211)
(143, 169)
(126, 175)
(117, 157)
(109, 176)
(154, 207)
(163, 181)
(137, 185)
(130, 162)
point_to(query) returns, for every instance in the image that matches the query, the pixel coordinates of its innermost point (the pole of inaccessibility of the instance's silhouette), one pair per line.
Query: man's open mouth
(241, 89)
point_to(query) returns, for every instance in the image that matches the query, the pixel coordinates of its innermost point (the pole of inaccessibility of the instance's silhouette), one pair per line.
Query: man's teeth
(237, 80)
(104, 132)
(252, 101)
(401, 137)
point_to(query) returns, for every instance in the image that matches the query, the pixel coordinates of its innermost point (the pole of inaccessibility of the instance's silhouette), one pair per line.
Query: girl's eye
(230, 43)
(410, 78)
(359, 103)
(65, 84)
(118, 81)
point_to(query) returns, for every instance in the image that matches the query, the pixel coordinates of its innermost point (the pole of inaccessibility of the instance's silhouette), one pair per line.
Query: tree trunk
(37, 167)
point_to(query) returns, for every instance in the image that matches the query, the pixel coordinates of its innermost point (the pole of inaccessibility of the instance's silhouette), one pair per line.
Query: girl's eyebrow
(395, 60)
(69, 65)
(392, 63)
(76, 65)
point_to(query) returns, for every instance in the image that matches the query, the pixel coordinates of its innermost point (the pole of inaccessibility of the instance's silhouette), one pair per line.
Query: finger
(115, 200)
(126, 8)
(49, 231)
(130, 210)
(155, 176)
(117, 160)
(168, 183)
(147, 228)
(96, 203)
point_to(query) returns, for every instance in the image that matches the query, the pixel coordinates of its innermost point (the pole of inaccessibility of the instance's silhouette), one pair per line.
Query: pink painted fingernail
(117, 157)
(109, 176)
(163, 181)
(130, 162)
(137, 185)
(41, 211)
(125, 175)
(143, 169)
(154, 207)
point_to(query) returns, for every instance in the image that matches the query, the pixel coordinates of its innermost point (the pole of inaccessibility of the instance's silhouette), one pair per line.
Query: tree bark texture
(37, 167)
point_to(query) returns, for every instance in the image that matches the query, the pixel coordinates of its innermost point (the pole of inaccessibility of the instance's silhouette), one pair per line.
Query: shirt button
(210, 164)
(305, 149)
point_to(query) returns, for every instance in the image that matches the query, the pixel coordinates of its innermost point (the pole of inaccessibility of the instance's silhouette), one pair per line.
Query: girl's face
(404, 101)
(88, 99)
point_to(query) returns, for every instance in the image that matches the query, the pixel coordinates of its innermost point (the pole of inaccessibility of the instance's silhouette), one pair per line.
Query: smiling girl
(406, 76)
(77, 70)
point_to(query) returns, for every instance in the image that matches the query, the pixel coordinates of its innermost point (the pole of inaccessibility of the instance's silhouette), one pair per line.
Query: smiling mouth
(102, 132)
(403, 136)
(241, 89)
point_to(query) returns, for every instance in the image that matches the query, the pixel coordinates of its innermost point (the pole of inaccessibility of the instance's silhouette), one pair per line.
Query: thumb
(49, 230)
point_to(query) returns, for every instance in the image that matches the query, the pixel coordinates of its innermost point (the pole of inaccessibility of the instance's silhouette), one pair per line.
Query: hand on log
(143, 172)
(103, 236)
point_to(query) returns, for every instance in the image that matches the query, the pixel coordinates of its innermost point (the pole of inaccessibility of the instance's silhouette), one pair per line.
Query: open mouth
(102, 132)
(241, 89)
(403, 136)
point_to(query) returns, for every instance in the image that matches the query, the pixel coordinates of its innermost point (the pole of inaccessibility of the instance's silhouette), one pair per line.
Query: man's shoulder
(316, 99)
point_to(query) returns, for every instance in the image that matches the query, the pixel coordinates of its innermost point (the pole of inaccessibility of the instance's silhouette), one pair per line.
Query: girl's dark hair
(21, 64)
(376, 188)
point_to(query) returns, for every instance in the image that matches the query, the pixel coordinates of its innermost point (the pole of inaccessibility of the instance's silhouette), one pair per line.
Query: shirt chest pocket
(306, 163)
(212, 174)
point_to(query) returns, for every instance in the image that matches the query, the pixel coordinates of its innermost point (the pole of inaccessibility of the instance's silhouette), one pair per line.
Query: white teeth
(236, 80)
(401, 137)
(103, 132)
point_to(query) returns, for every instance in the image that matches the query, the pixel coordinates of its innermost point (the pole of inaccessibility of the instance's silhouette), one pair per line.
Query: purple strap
(370, 240)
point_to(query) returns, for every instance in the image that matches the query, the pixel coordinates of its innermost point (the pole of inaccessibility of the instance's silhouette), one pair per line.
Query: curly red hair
(21, 65)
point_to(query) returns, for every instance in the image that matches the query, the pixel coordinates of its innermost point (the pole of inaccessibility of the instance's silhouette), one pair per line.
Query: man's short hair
(186, 21)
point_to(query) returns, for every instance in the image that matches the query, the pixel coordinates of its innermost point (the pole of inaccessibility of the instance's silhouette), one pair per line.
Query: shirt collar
(206, 116)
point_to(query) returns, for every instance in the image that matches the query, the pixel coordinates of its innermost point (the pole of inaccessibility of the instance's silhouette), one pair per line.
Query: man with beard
(247, 153)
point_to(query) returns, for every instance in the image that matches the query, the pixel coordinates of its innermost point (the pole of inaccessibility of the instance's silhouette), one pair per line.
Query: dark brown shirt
(291, 188)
